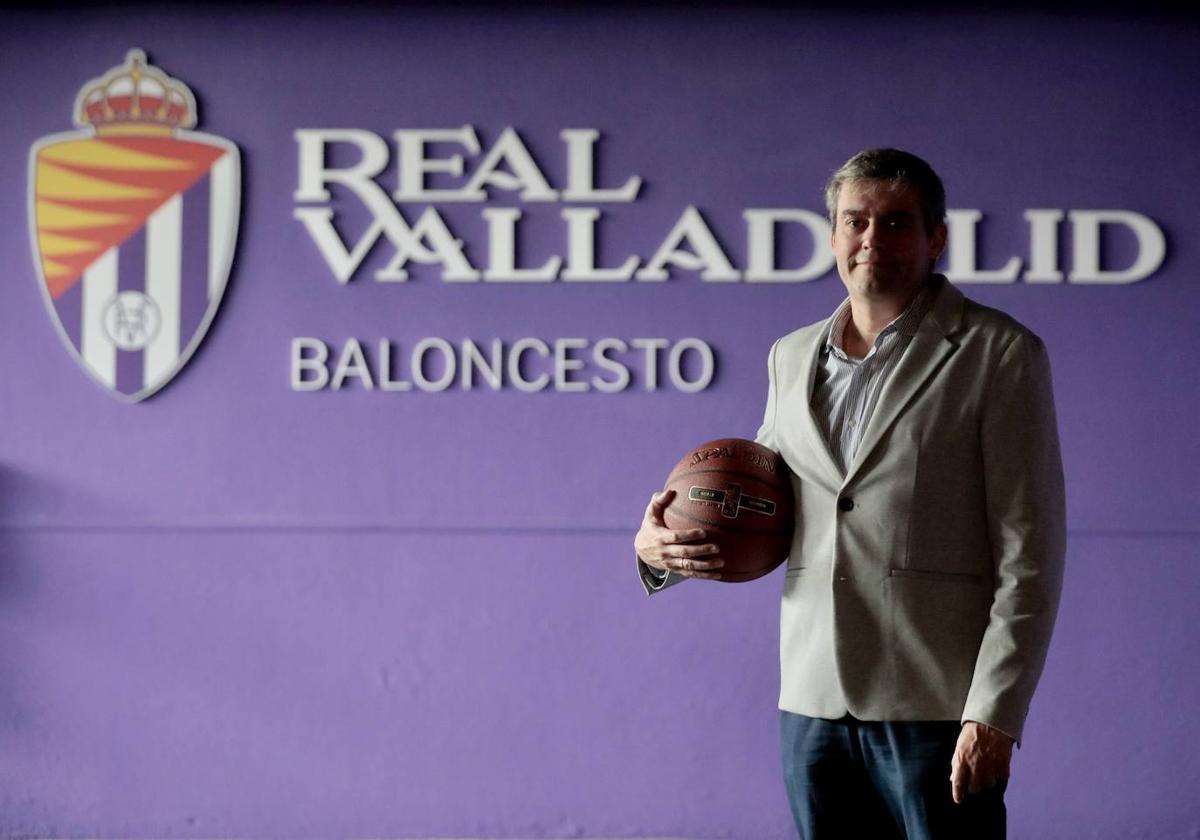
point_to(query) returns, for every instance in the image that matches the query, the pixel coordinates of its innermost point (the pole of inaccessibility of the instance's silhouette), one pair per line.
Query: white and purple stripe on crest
(179, 259)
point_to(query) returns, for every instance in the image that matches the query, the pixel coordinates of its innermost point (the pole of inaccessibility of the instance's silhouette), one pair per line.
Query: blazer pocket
(949, 577)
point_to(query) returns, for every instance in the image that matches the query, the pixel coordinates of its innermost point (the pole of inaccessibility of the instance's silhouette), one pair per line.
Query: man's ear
(938, 241)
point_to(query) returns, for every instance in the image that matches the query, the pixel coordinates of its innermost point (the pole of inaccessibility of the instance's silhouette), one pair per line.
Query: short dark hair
(901, 168)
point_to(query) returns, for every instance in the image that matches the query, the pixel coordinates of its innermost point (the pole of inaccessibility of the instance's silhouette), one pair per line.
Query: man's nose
(871, 236)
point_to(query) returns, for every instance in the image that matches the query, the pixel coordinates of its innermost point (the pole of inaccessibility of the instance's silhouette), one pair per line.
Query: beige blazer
(923, 583)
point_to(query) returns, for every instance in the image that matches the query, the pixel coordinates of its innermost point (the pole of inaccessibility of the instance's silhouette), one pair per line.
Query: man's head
(895, 167)
(887, 209)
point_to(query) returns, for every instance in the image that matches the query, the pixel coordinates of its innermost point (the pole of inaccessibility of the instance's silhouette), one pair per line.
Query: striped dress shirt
(847, 388)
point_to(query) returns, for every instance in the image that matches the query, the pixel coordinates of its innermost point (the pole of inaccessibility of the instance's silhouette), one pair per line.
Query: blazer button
(845, 503)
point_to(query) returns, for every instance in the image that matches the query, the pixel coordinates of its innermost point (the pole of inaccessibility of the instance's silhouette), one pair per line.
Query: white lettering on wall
(502, 244)
(581, 156)
(760, 235)
(705, 254)
(1043, 266)
(1043, 246)
(961, 241)
(453, 166)
(309, 371)
(675, 365)
(413, 165)
(581, 250)
(1085, 233)
(530, 365)
(351, 364)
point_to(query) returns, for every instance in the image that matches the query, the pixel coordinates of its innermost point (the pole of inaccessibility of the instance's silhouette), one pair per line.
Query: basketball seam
(749, 476)
(728, 526)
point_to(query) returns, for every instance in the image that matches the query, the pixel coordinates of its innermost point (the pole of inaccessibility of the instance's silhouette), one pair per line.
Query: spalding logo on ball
(741, 494)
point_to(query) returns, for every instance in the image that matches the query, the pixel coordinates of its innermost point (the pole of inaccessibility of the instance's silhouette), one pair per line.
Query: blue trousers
(881, 781)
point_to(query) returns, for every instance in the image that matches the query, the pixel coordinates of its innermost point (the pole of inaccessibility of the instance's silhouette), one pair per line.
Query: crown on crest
(135, 98)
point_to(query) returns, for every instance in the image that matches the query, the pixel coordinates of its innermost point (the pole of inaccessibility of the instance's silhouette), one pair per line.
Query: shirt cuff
(652, 579)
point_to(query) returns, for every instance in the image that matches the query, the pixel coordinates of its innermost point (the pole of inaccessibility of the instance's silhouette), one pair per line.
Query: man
(925, 570)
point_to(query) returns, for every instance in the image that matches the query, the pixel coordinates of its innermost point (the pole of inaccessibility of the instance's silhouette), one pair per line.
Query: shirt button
(845, 503)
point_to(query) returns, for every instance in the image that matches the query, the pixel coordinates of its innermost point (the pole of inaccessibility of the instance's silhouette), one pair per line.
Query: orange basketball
(741, 494)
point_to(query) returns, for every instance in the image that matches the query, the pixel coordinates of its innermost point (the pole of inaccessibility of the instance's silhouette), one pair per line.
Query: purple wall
(237, 610)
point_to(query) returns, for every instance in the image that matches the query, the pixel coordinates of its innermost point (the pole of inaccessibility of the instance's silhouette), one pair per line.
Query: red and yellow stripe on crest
(93, 193)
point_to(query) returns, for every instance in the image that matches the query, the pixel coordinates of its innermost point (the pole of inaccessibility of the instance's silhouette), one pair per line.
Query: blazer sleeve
(766, 431)
(1026, 519)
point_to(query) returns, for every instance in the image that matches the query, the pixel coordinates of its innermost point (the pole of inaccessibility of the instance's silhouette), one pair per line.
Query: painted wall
(237, 609)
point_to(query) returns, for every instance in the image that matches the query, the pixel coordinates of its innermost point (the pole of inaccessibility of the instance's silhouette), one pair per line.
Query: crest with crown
(133, 223)
(135, 98)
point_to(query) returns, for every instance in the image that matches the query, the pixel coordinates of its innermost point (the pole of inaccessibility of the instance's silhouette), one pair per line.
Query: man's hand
(981, 759)
(674, 551)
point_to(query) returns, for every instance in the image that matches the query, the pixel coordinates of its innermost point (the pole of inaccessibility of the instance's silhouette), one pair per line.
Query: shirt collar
(905, 323)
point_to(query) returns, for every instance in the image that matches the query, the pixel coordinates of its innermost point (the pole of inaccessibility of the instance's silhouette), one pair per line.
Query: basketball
(741, 494)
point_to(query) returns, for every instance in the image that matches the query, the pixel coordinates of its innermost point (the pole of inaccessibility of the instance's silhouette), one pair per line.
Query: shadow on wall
(31, 502)
(19, 574)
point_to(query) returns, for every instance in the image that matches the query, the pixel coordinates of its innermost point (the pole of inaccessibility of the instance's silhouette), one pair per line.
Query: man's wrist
(990, 728)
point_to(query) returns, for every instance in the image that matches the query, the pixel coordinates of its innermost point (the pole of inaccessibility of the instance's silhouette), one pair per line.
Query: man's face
(882, 248)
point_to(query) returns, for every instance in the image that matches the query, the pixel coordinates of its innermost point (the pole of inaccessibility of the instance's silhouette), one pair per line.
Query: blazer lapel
(930, 347)
(809, 427)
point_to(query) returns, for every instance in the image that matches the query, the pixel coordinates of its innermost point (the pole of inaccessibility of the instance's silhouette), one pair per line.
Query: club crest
(133, 222)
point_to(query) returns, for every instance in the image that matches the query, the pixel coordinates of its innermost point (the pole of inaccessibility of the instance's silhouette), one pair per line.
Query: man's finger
(687, 565)
(658, 503)
(654, 515)
(958, 782)
(690, 549)
(665, 536)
